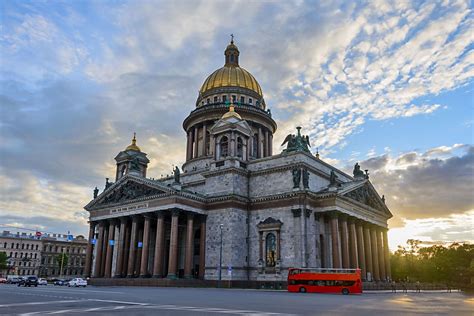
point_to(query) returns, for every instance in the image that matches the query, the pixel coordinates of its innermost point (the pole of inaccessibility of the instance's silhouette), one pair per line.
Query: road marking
(118, 302)
(41, 303)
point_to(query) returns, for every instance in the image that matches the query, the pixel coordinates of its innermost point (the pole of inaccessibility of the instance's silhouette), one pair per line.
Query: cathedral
(236, 210)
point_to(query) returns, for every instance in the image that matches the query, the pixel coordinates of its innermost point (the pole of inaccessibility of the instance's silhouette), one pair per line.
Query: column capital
(148, 216)
(124, 219)
(159, 214)
(343, 217)
(175, 212)
(190, 215)
(296, 212)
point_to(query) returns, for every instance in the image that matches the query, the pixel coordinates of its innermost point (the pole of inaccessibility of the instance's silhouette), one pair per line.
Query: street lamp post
(220, 258)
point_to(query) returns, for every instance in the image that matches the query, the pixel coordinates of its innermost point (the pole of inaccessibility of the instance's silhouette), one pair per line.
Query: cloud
(76, 86)
(418, 185)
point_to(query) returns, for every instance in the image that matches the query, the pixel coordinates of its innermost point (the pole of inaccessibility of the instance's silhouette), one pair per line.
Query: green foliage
(61, 257)
(451, 265)
(3, 260)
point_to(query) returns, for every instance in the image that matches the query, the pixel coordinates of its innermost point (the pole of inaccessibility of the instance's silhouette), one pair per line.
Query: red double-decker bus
(345, 281)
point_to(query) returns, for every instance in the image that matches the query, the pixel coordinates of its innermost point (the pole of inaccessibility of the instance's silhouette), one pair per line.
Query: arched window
(270, 250)
(5, 245)
(240, 147)
(224, 145)
(123, 170)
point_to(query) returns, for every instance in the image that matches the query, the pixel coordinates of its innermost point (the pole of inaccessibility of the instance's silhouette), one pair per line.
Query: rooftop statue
(296, 143)
(176, 174)
(357, 172)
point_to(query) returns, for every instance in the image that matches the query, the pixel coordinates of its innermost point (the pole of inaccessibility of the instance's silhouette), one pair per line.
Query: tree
(61, 261)
(437, 263)
(3, 260)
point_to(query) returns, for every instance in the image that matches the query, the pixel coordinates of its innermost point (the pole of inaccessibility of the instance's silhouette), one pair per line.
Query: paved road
(50, 300)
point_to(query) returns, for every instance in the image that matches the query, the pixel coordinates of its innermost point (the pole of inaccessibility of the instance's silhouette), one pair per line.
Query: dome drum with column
(230, 84)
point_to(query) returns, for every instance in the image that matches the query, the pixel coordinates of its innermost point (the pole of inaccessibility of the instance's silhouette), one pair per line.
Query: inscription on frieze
(128, 192)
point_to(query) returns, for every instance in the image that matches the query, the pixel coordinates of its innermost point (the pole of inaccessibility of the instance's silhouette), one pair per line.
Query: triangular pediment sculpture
(128, 191)
(366, 194)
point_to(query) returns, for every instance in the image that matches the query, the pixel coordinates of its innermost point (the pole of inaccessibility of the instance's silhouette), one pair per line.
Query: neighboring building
(23, 251)
(273, 212)
(58, 251)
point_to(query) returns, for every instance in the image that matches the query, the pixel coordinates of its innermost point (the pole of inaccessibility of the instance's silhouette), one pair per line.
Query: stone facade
(236, 205)
(23, 252)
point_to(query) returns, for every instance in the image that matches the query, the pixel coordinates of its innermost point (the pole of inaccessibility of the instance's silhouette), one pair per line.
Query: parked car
(29, 281)
(42, 282)
(59, 282)
(76, 282)
(13, 279)
(3, 280)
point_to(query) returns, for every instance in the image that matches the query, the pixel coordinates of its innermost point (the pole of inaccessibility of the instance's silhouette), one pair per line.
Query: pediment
(231, 123)
(127, 190)
(366, 194)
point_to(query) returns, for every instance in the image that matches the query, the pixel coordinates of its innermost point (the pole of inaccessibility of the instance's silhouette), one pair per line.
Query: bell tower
(131, 160)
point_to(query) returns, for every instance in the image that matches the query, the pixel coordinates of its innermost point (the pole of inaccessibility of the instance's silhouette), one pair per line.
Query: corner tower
(230, 84)
(131, 160)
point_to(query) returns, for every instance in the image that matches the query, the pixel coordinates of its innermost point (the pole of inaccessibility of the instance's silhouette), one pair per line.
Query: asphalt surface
(51, 300)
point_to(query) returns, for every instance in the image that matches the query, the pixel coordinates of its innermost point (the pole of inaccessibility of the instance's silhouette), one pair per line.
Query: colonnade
(359, 244)
(200, 143)
(134, 246)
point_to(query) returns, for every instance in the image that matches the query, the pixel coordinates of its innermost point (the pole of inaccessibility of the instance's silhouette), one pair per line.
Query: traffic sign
(140, 244)
(111, 242)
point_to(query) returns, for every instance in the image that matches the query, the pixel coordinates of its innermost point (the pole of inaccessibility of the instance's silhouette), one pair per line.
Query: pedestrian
(394, 287)
(418, 289)
(404, 286)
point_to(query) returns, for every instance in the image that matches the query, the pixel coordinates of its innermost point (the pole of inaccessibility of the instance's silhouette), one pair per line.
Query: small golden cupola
(231, 113)
(133, 145)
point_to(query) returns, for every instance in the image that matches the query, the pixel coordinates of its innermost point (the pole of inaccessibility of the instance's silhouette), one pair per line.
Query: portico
(155, 244)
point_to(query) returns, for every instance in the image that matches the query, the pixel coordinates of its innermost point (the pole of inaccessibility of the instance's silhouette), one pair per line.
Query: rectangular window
(208, 100)
(234, 98)
(242, 100)
(215, 99)
(224, 98)
(250, 100)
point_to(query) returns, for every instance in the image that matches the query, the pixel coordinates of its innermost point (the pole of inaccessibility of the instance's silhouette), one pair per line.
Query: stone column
(202, 249)
(361, 249)
(353, 245)
(375, 253)
(98, 259)
(88, 265)
(344, 242)
(104, 249)
(260, 143)
(270, 144)
(173, 257)
(336, 249)
(204, 141)
(110, 249)
(368, 251)
(267, 148)
(388, 270)
(119, 246)
(188, 264)
(383, 276)
(260, 245)
(189, 148)
(126, 247)
(133, 247)
(146, 243)
(159, 246)
(196, 142)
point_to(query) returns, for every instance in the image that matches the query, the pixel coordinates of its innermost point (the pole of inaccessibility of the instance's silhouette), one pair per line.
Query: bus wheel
(302, 290)
(345, 291)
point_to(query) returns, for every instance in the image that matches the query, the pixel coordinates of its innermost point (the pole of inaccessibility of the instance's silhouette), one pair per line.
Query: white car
(77, 282)
(42, 282)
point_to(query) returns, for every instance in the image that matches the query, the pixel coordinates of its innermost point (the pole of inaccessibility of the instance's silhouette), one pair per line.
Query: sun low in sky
(387, 84)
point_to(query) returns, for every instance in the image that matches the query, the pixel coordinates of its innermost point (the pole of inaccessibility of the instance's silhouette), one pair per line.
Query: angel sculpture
(296, 143)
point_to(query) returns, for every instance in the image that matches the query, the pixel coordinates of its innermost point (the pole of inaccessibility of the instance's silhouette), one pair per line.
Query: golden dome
(133, 145)
(231, 75)
(231, 113)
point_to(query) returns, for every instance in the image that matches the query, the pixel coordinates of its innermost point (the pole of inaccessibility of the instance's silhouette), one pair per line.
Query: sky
(388, 84)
